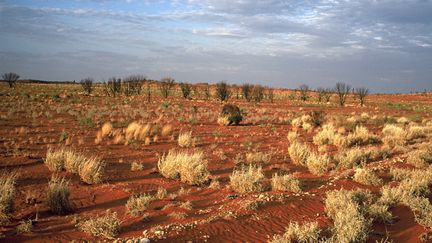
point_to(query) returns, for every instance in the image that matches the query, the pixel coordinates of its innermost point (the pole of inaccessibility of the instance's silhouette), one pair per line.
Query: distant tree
(206, 91)
(270, 95)
(257, 93)
(246, 91)
(223, 92)
(361, 94)
(87, 85)
(148, 92)
(166, 85)
(10, 78)
(328, 93)
(113, 86)
(304, 92)
(133, 84)
(342, 90)
(186, 90)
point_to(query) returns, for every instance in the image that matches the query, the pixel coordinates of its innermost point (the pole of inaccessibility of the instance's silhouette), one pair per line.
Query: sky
(383, 45)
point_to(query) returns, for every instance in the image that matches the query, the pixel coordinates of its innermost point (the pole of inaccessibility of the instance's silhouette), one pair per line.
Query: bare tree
(246, 91)
(166, 85)
(113, 86)
(328, 93)
(186, 90)
(361, 94)
(304, 90)
(10, 78)
(270, 94)
(206, 91)
(133, 84)
(258, 93)
(223, 92)
(87, 85)
(342, 90)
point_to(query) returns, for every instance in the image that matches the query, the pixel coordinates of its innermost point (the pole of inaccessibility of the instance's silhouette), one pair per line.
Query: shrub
(230, 113)
(222, 91)
(319, 164)
(285, 183)
(344, 208)
(258, 93)
(107, 226)
(7, 193)
(360, 136)
(113, 86)
(325, 136)
(188, 167)
(87, 85)
(351, 158)
(304, 92)
(58, 195)
(247, 179)
(306, 233)
(367, 177)
(299, 153)
(186, 90)
(133, 84)
(361, 94)
(186, 140)
(137, 204)
(247, 90)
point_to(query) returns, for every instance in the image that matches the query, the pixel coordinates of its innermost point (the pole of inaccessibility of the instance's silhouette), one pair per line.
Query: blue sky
(383, 45)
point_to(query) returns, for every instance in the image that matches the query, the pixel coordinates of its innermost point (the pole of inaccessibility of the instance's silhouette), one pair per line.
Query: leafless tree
(113, 86)
(258, 93)
(223, 92)
(166, 85)
(186, 90)
(246, 91)
(87, 85)
(304, 91)
(133, 84)
(10, 78)
(342, 90)
(361, 94)
(270, 95)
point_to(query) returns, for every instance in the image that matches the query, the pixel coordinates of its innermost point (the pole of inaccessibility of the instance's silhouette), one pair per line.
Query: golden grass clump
(7, 193)
(188, 167)
(360, 136)
(325, 136)
(58, 195)
(394, 135)
(136, 205)
(185, 140)
(344, 208)
(107, 226)
(420, 158)
(223, 121)
(299, 153)
(292, 136)
(247, 179)
(25, 226)
(136, 166)
(258, 157)
(319, 164)
(366, 176)
(353, 157)
(306, 233)
(161, 193)
(106, 129)
(285, 183)
(91, 170)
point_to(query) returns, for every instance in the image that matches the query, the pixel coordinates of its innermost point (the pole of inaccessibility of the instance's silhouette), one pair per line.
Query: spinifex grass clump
(7, 193)
(58, 195)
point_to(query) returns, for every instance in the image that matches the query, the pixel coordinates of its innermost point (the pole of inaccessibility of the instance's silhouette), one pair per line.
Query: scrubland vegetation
(169, 160)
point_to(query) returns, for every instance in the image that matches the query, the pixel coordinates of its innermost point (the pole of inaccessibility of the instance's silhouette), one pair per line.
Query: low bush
(247, 179)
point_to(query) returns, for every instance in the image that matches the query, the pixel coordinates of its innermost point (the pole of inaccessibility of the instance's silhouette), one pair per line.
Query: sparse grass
(185, 140)
(161, 193)
(420, 158)
(7, 193)
(58, 195)
(247, 179)
(178, 215)
(107, 226)
(137, 166)
(366, 176)
(25, 226)
(353, 157)
(307, 233)
(285, 183)
(258, 157)
(136, 205)
(188, 167)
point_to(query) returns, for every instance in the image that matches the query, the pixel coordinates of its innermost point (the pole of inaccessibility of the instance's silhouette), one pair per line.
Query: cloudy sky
(385, 45)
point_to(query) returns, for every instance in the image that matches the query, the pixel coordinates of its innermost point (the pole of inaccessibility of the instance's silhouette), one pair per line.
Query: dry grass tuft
(285, 183)
(185, 140)
(188, 167)
(319, 164)
(292, 136)
(420, 158)
(55, 160)
(325, 136)
(107, 226)
(161, 193)
(136, 205)
(366, 176)
(91, 170)
(58, 195)
(299, 153)
(307, 233)
(353, 157)
(223, 121)
(25, 226)
(136, 166)
(247, 179)
(178, 215)
(7, 193)
(258, 158)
